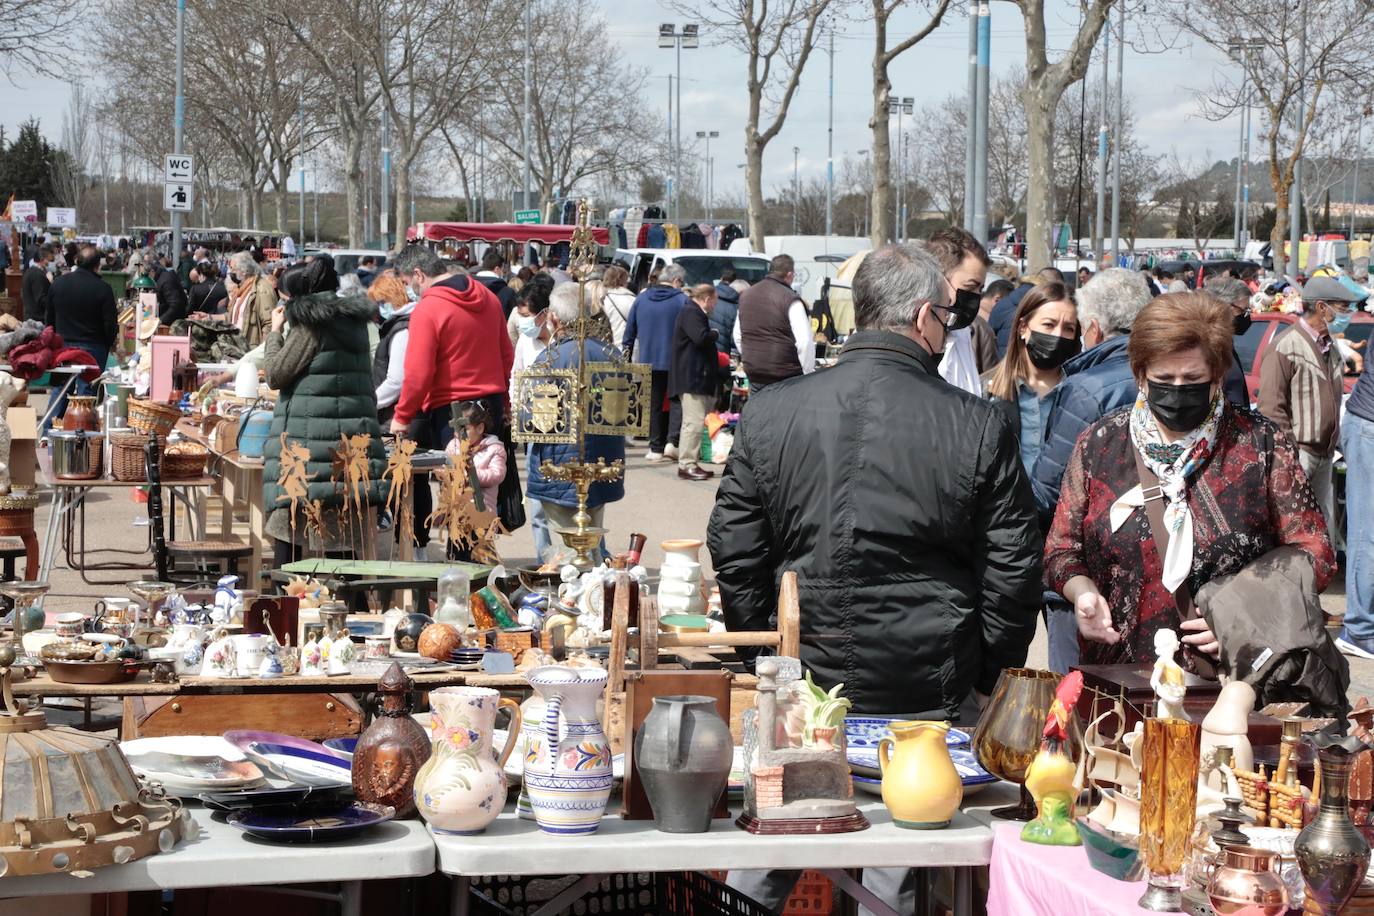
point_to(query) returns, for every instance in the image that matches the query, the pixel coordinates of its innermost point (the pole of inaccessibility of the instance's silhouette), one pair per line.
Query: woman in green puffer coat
(322, 370)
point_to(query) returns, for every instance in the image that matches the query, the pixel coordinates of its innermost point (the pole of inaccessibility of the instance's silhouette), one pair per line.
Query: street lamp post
(708, 136)
(670, 37)
(796, 193)
(899, 107)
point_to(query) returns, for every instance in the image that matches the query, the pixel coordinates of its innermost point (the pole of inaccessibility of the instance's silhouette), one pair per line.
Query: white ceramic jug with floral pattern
(568, 781)
(461, 788)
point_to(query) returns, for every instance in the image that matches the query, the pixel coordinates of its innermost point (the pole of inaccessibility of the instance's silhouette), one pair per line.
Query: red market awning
(521, 233)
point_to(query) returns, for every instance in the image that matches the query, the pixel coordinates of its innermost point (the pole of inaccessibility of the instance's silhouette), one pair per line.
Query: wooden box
(640, 689)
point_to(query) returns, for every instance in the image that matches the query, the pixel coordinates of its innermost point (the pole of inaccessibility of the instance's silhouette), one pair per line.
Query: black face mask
(1182, 408)
(1050, 351)
(1241, 323)
(964, 309)
(234, 277)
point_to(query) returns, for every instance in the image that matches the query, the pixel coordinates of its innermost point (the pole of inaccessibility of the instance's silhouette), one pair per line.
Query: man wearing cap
(1301, 383)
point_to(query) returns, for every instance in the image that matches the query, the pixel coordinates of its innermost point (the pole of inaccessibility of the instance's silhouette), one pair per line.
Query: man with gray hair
(1096, 381)
(1235, 295)
(558, 498)
(901, 504)
(651, 321)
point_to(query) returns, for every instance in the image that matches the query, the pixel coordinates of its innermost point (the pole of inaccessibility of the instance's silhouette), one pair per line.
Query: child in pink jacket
(488, 453)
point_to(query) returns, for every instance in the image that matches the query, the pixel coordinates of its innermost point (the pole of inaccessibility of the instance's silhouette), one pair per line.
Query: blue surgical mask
(411, 295)
(388, 311)
(1339, 321)
(528, 326)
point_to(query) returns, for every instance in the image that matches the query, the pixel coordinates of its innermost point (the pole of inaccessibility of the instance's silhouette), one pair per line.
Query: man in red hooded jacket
(458, 349)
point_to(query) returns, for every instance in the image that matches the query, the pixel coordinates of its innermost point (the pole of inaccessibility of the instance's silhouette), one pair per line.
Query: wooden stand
(18, 522)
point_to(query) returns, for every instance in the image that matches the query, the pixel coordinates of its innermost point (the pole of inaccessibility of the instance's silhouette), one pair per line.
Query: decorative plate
(185, 765)
(310, 797)
(303, 762)
(286, 826)
(867, 731)
(864, 762)
(342, 745)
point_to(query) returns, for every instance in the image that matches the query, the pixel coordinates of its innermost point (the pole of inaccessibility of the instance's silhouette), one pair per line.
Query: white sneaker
(670, 451)
(653, 456)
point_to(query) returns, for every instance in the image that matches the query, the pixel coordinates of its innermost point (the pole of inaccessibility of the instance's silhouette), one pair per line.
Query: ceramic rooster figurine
(1050, 779)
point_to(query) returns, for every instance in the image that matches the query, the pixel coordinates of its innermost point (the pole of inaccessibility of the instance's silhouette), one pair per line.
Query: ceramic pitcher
(531, 731)
(683, 753)
(921, 787)
(568, 781)
(461, 788)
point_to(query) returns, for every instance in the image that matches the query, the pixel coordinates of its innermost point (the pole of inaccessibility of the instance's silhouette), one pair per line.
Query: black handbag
(510, 497)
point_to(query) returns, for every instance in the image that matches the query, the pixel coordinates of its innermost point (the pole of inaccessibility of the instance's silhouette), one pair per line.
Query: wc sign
(179, 168)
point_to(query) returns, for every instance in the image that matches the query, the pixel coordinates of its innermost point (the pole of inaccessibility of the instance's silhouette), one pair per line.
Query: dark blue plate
(286, 826)
(309, 797)
(342, 745)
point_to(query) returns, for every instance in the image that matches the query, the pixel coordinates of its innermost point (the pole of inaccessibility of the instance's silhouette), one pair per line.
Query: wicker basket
(184, 465)
(127, 461)
(150, 416)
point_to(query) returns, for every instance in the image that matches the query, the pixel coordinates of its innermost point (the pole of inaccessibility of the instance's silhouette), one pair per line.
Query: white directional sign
(179, 167)
(63, 217)
(177, 196)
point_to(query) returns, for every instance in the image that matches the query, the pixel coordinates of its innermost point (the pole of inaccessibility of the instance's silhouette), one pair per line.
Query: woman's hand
(1200, 636)
(398, 428)
(1095, 618)
(278, 318)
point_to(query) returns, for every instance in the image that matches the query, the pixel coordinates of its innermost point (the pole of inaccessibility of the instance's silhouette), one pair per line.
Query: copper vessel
(1246, 880)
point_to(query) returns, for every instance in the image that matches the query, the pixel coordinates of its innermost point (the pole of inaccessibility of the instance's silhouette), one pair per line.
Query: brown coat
(1301, 388)
(257, 311)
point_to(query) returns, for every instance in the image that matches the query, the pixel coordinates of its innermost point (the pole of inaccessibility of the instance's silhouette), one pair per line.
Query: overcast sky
(1161, 87)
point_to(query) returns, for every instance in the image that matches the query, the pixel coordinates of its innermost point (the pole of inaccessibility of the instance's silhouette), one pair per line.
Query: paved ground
(657, 504)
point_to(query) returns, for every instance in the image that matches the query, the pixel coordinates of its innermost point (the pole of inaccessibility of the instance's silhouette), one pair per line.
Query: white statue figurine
(10, 390)
(1167, 678)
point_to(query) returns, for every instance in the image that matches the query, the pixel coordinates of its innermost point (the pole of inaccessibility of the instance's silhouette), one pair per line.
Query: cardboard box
(23, 447)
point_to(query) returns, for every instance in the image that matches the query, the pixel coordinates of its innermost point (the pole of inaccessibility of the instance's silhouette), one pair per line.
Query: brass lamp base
(584, 541)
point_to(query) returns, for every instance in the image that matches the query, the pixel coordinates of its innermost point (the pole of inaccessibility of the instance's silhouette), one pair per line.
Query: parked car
(346, 259)
(703, 265)
(1254, 344)
(1208, 268)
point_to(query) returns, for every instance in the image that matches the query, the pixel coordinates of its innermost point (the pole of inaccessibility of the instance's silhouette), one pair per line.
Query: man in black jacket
(82, 309)
(900, 503)
(493, 264)
(693, 378)
(35, 286)
(171, 296)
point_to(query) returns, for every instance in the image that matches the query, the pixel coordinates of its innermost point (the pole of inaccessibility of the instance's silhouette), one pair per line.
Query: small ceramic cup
(377, 646)
(69, 626)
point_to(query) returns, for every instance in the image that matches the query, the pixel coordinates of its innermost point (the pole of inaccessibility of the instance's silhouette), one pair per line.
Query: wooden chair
(200, 555)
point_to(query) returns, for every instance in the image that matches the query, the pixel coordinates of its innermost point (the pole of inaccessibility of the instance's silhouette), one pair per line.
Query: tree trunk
(400, 177)
(1040, 177)
(880, 202)
(1278, 236)
(353, 180)
(753, 180)
(284, 198)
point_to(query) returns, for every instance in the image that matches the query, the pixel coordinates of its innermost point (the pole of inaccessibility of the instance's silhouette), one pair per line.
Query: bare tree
(36, 35)
(1275, 75)
(777, 37)
(1202, 196)
(883, 56)
(1045, 85)
(1327, 162)
(71, 170)
(939, 155)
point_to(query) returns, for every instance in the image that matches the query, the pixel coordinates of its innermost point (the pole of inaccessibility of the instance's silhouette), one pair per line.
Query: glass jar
(455, 591)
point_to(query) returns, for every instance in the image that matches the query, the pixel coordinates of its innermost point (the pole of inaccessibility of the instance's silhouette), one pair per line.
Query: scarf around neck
(1174, 463)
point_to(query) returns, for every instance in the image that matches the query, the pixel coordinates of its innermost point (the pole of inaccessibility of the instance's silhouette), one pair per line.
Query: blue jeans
(1061, 627)
(539, 527)
(1357, 444)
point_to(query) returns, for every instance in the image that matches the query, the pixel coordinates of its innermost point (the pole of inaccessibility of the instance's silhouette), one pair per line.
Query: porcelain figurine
(391, 751)
(10, 390)
(683, 752)
(1166, 680)
(1050, 778)
(220, 660)
(568, 781)
(1227, 724)
(271, 665)
(825, 712)
(311, 659)
(462, 787)
(228, 600)
(921, 787)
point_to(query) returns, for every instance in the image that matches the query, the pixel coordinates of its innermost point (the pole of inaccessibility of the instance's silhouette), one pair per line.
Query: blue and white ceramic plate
(867, 731)
(865, 764)
(304, 797)
(303, 762)
(287, 826)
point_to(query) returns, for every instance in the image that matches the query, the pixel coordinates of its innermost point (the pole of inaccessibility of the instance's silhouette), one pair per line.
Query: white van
(703, 265)
(817, 257)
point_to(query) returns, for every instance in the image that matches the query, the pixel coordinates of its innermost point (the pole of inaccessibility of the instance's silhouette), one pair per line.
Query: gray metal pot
(76, 454)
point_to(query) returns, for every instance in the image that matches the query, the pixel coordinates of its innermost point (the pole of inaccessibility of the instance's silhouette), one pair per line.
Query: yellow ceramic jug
(921, 787)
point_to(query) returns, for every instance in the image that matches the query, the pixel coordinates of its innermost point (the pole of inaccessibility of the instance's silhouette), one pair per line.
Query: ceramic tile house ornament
(790, 788)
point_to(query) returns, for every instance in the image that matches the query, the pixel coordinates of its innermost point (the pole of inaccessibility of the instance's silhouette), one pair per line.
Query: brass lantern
(69, 802)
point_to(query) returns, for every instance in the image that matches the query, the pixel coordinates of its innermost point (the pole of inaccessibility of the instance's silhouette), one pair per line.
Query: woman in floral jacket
(1229, 478)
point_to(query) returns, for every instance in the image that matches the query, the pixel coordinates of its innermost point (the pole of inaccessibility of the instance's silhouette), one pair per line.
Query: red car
(1254, 344)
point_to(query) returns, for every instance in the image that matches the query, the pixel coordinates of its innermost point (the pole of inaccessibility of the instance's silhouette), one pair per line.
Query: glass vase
(1168, 802)
(1010, 730)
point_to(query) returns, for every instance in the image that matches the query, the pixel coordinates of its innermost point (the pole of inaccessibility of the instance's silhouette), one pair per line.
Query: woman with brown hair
(1044, 335)
(1228, 481)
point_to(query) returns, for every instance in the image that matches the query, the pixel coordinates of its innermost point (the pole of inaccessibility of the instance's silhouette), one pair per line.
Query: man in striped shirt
(1301, 383)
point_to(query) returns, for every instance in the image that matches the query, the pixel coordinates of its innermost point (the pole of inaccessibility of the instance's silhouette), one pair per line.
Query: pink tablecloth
(1030, 880)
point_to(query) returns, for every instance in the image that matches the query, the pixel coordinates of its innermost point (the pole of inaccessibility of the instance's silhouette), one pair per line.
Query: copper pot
(1246, 880)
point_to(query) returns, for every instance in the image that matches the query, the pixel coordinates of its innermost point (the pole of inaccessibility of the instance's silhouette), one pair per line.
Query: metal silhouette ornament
(546, 412)
(618, 398)
(456, 511)
(400, 478)
(294, 479)
(349, 471)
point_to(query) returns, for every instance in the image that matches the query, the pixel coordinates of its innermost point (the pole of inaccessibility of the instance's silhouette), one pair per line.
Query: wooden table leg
(257, 520)
(32, 563)
(226, 499)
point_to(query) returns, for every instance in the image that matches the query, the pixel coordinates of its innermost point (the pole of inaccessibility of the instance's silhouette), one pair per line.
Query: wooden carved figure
(392, 749)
